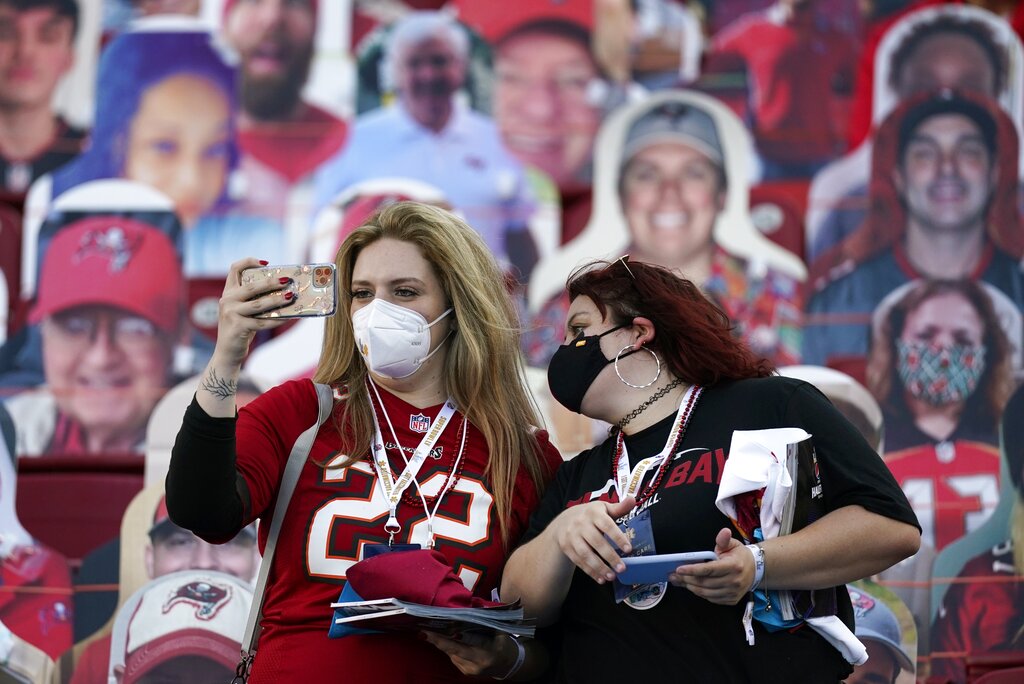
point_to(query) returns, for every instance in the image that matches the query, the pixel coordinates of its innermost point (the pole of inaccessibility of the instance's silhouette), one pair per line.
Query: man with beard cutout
(283, 137)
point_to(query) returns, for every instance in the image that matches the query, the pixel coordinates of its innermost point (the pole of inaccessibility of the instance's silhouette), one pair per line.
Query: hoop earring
(627, 382)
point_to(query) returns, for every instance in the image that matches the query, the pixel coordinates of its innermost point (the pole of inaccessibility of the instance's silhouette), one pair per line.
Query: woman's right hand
(588, 536)
(236, 325)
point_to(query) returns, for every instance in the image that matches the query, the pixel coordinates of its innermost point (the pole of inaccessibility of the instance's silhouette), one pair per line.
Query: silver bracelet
(520, 659)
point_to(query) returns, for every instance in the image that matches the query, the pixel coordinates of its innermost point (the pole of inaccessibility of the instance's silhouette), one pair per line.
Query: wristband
(520, 659)
(758, 553)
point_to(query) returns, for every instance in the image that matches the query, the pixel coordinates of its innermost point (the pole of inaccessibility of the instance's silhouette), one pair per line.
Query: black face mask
(574, 367)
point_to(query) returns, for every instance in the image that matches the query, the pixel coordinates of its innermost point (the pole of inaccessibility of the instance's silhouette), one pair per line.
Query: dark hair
(968, 28)
(947, 104)
(130, 65)
(62, 8)
(693, 334)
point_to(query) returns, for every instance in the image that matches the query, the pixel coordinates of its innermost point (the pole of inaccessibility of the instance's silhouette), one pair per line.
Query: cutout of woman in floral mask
(942, 370)
(940, 365)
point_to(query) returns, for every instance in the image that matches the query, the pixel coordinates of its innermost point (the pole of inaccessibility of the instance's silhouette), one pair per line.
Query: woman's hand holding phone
(310, 290)
(240, 305)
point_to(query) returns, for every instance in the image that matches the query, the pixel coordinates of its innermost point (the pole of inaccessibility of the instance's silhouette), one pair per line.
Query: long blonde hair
(483, 369)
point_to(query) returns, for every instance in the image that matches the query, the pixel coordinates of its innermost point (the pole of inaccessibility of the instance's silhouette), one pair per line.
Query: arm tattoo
(222, 388)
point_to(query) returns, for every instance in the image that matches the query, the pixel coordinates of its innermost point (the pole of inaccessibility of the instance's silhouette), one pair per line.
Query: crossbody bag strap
(292, 470)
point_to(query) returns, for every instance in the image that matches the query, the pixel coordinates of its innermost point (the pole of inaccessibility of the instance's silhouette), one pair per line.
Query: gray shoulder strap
(292, 470)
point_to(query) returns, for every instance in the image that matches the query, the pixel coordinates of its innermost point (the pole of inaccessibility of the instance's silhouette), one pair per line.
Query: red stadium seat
(777, 208)
(75, 503)
(996, 668)
(1013, 675)
(203, 298)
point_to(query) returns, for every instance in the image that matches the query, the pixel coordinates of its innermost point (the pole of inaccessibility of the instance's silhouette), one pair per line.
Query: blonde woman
(426, 300)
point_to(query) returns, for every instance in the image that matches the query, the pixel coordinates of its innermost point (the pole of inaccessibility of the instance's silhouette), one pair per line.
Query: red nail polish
(263, 262)
(289, 295)
(284, 281)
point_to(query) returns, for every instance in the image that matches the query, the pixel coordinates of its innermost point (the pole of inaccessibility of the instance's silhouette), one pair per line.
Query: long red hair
(692, 334)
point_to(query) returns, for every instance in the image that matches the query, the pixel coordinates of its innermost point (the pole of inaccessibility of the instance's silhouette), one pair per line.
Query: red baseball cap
(423, 577)
(113, 261)
(191, 613)
(494, 20)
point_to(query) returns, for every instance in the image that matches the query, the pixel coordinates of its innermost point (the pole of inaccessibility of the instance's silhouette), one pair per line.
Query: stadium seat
(777, 209)
(996, 668)
(75, 503)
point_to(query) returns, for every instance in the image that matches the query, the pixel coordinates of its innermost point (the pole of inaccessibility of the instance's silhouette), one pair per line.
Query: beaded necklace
(674, 440)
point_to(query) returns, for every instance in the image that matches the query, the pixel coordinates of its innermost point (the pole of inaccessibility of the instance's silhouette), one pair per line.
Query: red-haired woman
(647, 352)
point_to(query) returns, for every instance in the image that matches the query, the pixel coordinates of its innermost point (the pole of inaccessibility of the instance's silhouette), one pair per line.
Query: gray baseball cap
(674, 122)
(875, 621)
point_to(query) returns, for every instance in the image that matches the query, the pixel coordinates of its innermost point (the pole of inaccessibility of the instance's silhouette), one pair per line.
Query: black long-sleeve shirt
(205, 492)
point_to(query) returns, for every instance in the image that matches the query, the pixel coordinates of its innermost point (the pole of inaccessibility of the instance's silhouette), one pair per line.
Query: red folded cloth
(422, 576)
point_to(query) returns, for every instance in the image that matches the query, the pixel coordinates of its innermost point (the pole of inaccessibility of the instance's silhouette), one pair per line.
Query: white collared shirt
(465, 160)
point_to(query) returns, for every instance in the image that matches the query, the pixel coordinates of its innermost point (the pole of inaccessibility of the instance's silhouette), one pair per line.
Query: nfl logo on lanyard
(419, 423)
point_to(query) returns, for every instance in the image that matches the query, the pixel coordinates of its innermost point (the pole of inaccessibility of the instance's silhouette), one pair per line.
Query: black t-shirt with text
(682, 637)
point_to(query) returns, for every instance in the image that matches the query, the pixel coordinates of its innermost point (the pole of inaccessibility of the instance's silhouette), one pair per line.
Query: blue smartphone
(657, 568)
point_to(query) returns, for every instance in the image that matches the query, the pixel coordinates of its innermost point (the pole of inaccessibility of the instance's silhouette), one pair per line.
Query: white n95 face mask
(394, 341)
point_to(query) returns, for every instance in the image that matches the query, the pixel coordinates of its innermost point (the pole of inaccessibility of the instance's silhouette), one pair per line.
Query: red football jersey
(982, 613)
(953, 486)
(336, 511)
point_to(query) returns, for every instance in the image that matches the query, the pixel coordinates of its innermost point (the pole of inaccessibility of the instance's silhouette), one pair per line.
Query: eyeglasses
(79, 330)
(625, 265)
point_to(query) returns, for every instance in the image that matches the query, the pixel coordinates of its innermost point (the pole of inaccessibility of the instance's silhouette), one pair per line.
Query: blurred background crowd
(843, 177)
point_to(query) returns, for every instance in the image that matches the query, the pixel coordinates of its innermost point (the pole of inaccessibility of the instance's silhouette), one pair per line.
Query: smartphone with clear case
(314, 287)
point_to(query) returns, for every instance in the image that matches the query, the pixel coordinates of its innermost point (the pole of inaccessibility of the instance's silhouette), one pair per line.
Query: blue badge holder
(348, 595)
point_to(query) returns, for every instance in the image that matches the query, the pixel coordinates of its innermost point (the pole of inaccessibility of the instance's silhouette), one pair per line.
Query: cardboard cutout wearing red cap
(113, 261)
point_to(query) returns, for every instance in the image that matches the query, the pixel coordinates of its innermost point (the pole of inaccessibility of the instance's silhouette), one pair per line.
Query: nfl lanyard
(393, 489)
(626, 482)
